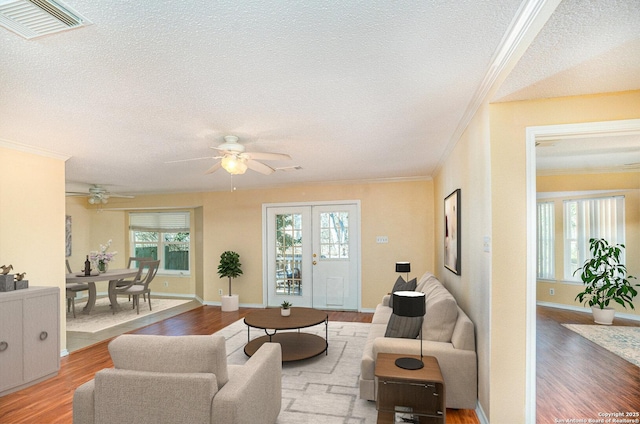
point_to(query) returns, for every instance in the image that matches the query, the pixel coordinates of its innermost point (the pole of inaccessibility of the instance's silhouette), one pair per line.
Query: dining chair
(72, 290)
(140, 287)
(137, 260)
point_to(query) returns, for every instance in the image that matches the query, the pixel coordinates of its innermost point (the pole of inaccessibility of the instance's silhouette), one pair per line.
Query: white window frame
(546, 252)
(598, 217)
(161, 223)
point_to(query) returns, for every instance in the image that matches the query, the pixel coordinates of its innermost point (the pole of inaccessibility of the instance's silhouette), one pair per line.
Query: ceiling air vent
(36, 18)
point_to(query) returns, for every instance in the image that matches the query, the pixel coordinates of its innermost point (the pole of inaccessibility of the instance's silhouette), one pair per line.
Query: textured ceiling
(351, 90)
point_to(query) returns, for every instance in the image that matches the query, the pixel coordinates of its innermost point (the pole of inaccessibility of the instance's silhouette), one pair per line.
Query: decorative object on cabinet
(6, 283)
(452, 245)
(6, 269)
(29, 337)
(20, 282)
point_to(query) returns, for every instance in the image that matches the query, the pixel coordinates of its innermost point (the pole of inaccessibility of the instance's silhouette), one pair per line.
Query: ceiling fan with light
(235, 160)
(98, 195)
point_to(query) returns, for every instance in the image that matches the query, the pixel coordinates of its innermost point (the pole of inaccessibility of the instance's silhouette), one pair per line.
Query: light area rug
(102, 318)
(622, 341)
(324, 389)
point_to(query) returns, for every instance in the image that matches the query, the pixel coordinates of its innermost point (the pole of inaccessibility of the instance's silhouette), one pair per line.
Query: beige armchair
(181, 379)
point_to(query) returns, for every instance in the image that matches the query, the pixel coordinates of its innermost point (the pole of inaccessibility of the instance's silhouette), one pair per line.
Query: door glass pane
(289, 254)
(334, 235)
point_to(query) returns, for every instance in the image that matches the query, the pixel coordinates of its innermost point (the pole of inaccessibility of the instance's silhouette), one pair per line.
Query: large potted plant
(605, 279)
(229, 267)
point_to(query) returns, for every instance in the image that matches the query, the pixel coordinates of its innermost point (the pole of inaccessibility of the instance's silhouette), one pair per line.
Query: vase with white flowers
(101, 258)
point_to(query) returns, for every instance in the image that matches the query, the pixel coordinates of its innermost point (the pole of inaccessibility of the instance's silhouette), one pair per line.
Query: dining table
(111, 275)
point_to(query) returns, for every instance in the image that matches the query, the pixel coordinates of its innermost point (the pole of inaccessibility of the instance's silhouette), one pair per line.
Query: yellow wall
(509, 230)
(626, 184)
(221, 221)
(32, 235)
(467, 169)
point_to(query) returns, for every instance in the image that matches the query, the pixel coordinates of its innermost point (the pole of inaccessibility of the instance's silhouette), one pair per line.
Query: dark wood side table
(419, 393)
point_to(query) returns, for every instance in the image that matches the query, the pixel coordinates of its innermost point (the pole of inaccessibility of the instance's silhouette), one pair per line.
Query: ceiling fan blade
(214, 168)
(125, 196)
(266, 156)
(188, 160)
(75, 194)
(260, 167)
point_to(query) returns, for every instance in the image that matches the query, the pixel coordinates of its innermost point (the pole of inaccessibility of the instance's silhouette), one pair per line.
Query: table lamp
(404, 267)
(410, 304)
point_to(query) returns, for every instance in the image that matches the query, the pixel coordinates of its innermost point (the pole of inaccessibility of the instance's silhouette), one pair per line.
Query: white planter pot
(285, 312)
(230, 303)
(603, 316)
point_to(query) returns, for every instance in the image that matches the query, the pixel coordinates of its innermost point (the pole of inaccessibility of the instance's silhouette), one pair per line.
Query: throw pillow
(403, 327)
(402, 285)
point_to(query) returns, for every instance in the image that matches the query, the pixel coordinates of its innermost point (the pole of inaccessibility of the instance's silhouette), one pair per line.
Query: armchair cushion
(187, 397)
(171, 354)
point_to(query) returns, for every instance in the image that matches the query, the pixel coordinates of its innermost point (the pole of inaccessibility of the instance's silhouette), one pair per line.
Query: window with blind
(585, 219)
(546, 241)
(164, 236)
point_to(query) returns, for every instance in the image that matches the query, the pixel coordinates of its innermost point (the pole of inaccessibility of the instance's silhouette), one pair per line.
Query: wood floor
(576, 379)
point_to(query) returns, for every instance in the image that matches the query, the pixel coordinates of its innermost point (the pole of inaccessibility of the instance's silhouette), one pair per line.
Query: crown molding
(529, 20)
(12, 145)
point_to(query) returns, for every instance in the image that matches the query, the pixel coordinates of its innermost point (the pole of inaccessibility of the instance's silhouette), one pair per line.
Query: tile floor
(77, 340)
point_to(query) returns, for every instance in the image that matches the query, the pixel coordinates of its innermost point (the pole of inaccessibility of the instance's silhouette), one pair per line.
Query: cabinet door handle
(44, 335)
(3, 346)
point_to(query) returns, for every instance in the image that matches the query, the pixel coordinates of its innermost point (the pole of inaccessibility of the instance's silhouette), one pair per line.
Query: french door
(312, 255)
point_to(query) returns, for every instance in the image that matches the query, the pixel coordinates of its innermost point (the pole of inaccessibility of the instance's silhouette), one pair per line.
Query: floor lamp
(410, 304)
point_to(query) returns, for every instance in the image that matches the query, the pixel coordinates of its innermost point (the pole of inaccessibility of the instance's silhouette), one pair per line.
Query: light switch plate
(382, 239)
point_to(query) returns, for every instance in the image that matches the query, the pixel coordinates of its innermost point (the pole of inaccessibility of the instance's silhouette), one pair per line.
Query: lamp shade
(403, 267)
(408, 303)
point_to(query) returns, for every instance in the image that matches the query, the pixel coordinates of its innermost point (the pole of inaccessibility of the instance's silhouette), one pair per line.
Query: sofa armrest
(83, 403)
(253, 393)
(385, 299)
(153, 397)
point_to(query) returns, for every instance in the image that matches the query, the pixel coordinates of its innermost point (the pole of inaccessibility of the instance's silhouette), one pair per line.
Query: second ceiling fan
(235, 160)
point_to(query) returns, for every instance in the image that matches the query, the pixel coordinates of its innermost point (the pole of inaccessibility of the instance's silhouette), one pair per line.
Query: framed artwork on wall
(452, 245)
(67, 234)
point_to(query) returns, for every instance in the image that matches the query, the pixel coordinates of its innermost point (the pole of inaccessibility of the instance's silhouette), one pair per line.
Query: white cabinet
(29, 337)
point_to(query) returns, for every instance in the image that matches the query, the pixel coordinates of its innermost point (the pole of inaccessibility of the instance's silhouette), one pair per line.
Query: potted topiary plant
(229, 267)
(285, 310)
(605, 279)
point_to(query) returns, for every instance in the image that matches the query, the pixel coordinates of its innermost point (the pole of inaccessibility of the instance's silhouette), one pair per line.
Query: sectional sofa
(448, 334)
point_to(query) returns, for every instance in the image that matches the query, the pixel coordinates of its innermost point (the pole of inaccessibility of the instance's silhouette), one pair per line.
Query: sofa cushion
(440, 316)
(426, 281)
(403, 327)
(402, 285)
(171, 354)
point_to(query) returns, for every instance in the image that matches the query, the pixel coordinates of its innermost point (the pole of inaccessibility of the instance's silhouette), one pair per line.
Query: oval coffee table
(296, 345)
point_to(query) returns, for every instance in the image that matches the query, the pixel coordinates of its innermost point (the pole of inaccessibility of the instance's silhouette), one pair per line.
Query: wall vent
(36, 18)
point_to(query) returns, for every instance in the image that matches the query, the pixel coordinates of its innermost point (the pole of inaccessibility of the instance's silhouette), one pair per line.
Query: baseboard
(480, 413)
(586, 310)
(64, 352)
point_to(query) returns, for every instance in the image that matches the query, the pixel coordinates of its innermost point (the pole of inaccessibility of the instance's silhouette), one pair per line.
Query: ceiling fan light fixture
(233, 165)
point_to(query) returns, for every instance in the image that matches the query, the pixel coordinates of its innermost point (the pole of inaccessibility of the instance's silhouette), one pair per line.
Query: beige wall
(509, 230)
(467, 168)
(32, 215)
(403, 211)
(626, 184)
